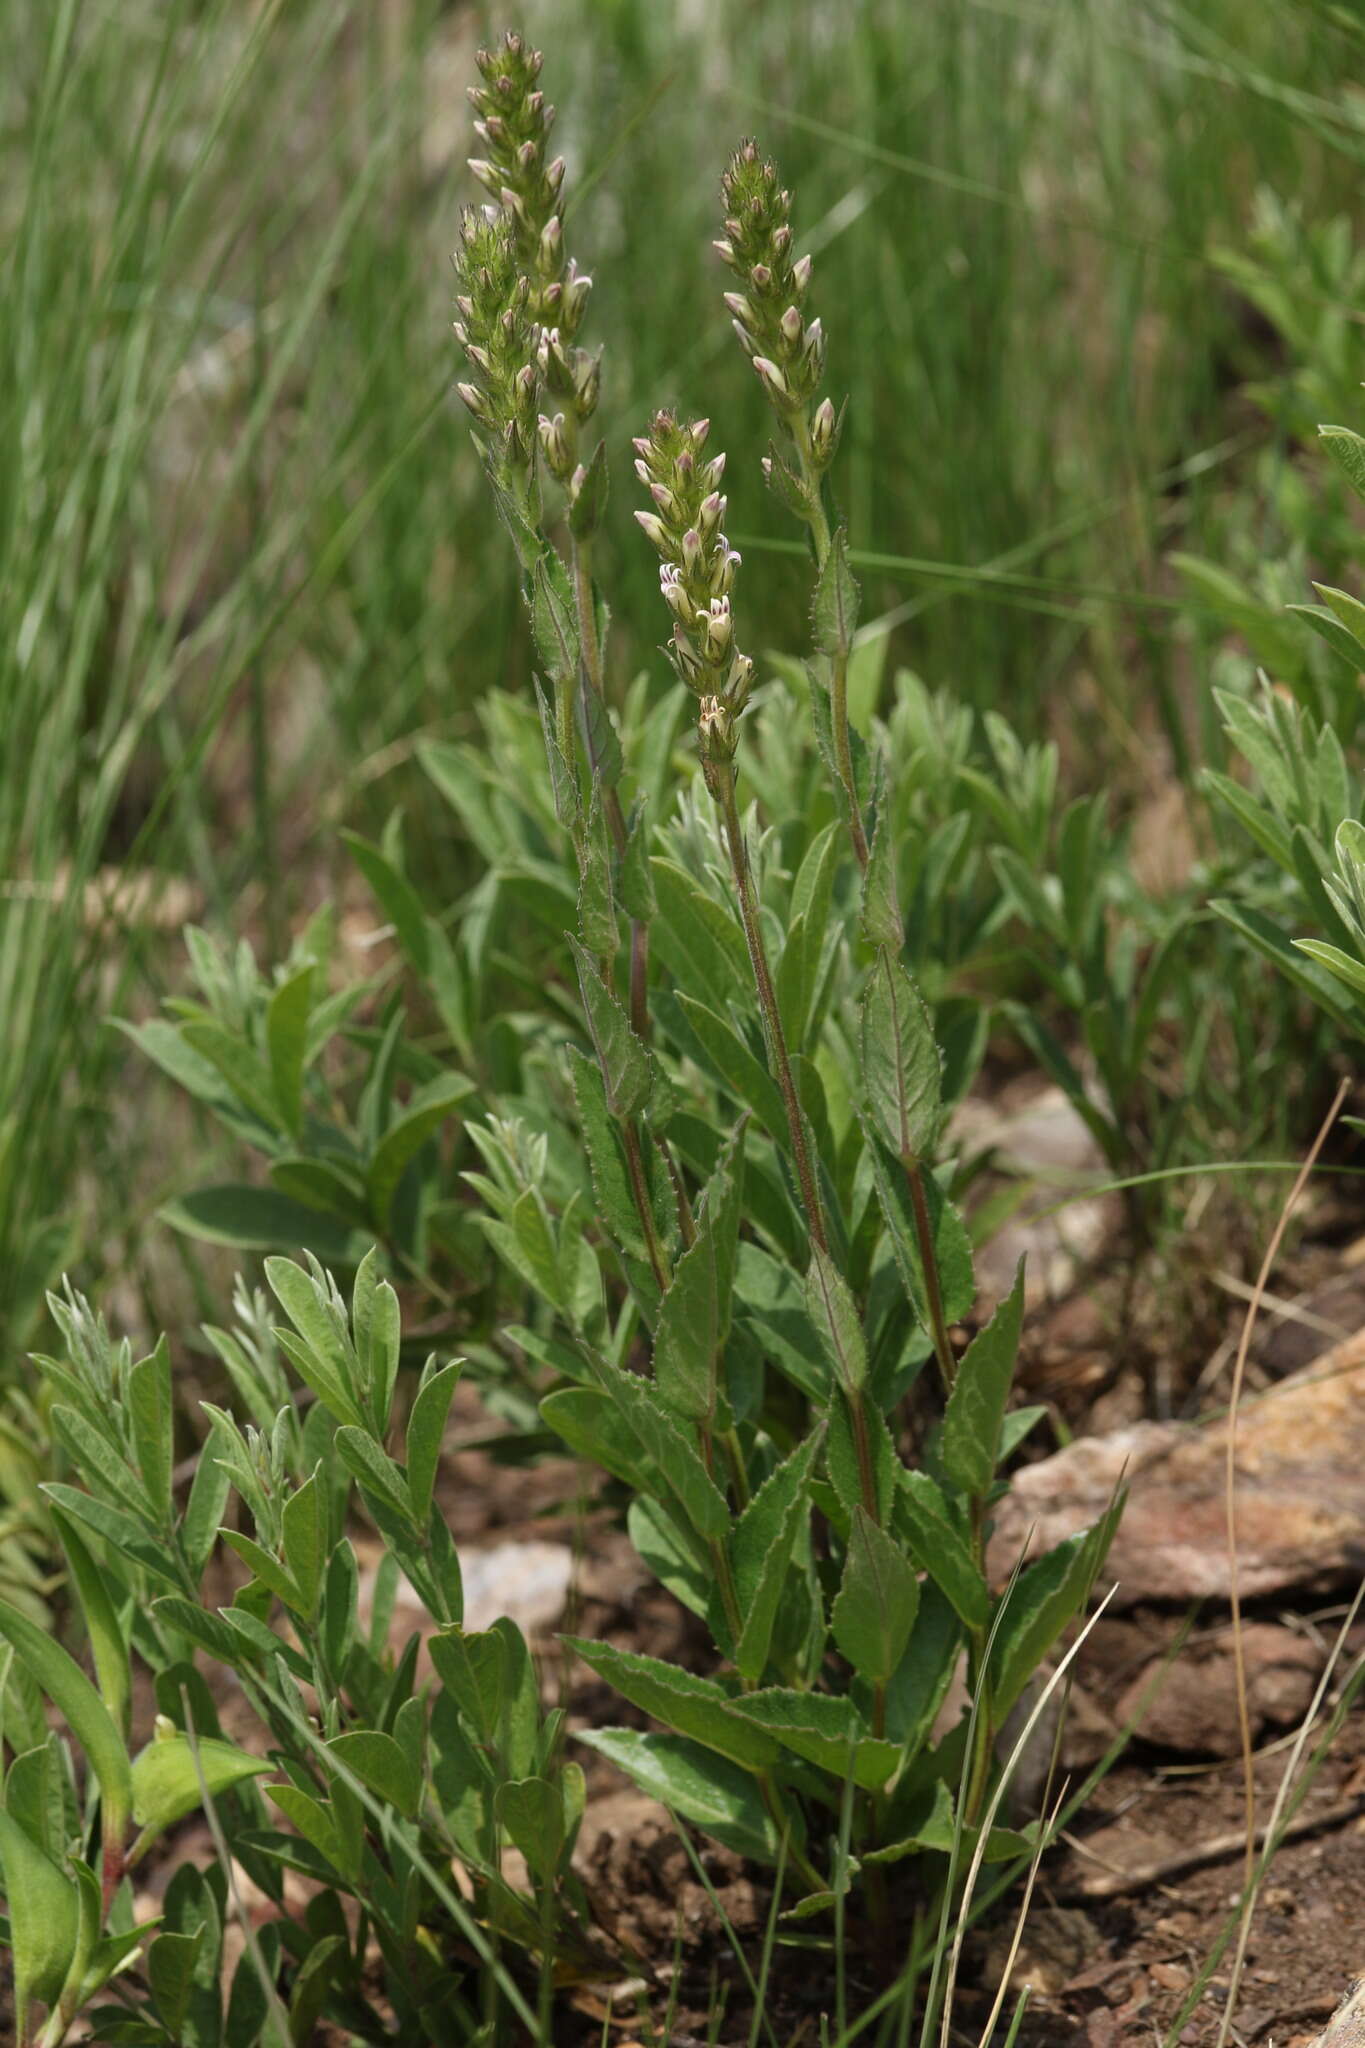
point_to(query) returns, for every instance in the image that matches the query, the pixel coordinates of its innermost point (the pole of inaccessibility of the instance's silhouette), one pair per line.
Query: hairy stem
(639, 1188)
(767, 997)
(933, 1292)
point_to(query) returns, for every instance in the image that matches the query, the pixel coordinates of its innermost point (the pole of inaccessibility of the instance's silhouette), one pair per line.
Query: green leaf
(304, 1520)
(373, 1469)
(315, 1823)
(203, 1515)
(951, 1245)
(699, 943)
(379, 1763)
(834, 613)
(706, 1789)
(268, 1570)
(169, 1775)
(939, 1548)
(678, 1464)
(1347, 450)
(1042, 1600)
(404, 1139)
(258, 1220)
(286, 1032)
(377, 1333)
(115, 1527)
(878, 1599)
(731, 1061)
(832, 1310)
(762, 1549)
(88, 1718)
(1346, 969)
(554, 620)
(688, 1705)
(901, 1068)
(1268, 939)
(882, 923)
(397, 898)
(593, 1428)
(826, 1731)
(44, 1921)
(596, 905)
(239, 1066)
(637, 877)
(107, 1644)
(426, 1435)
(150, 1413)
(975, 1414)
(531, 1811)
(622, 1058)
(472, 1665)
(321, 1354)
(611, 1186)
(694, 1316)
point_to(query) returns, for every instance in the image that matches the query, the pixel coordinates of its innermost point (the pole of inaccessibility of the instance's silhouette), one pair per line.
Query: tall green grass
(243, 555)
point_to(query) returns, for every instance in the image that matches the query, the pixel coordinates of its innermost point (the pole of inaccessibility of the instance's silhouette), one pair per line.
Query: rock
(1347, 2028)
(527, 1580)
(1044, 1141)
(1195, 1710)
(1300, 1507)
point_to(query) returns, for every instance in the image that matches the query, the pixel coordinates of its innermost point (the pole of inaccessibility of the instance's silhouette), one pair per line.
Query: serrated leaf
(637, 876)
(596, 905)
(730, 1059)
(939, 1548)
(695, 1707)
(975, 1414)
(951, 1245)
(878, 1600)
(762, 1550)
(901, 1069)
(834, 1313)
(694, 1316)
(834, 611)
(825, 1731)
(611, 1186)
(554, 621)
(677, 1462)
(697, 1784)
(624, 1062)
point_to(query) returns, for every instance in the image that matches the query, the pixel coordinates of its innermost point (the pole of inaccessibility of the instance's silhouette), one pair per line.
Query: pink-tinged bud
(744, 338)
(526, 382)
(772, 380)
(526, 156)
(487, 176)
(791, 327)
(782, 236)
(651, 524)
(723, 570)
(480, 358)
(643, 447)
(465, 307)
(554, 174)
(551, 240)
(641, 466)
(686, 464)
(663, 498)
(736, 303)
(822, 430)
(710, 513)
(726, 253)
(698, 432)
(760, 277)
(461, 333)
(675, 596)
(476, 402)
(815, 340)
(714, 471)
(691, 551)
(801, 271)
(718, 628)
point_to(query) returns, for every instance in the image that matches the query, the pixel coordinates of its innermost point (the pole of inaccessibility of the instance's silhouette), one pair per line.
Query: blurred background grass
(1076, 259)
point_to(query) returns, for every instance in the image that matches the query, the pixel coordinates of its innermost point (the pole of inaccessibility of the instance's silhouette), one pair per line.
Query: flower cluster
(696, 572)
(514, 123)
(786, 349)
(496, 333)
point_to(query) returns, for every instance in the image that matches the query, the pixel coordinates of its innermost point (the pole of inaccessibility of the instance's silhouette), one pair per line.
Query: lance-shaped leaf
(286, 1031)
(975, 1415)
(596, 905)
(1040, 1603)
(834, 610)
(824, 1730)
(877, 1602)
(149, 1410)
(834, 1313)
(704, 1788)
(902, 1071)
(88, 1718)
(426, 1432)
(170, 1776)
(762, 1550)
(404, 1139)
(623, 1059)
(938, 1546)
(107, 1644)
(676, 1461)
(694, 1318)
(691, 1706)
(44, 1921)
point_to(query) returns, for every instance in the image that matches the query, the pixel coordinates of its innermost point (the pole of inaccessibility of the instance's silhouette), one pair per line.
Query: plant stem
(838, 690)
(639, 1189)
(724, 790)
(933, 1293)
